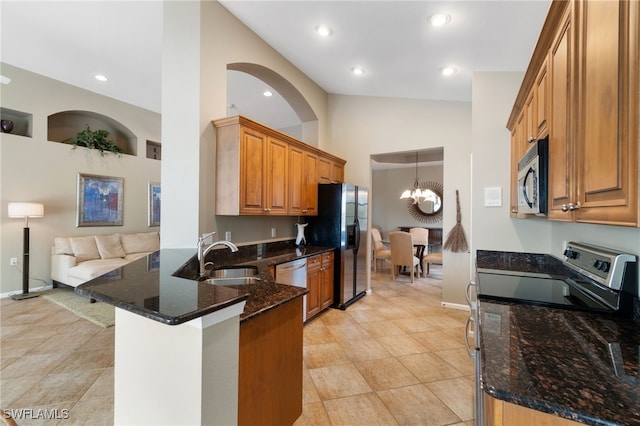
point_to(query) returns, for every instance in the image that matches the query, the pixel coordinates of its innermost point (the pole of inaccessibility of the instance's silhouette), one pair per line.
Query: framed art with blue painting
(154, 204)
(100, 200)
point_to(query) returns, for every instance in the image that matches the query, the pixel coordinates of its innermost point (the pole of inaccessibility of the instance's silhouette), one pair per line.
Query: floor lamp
(25, 210)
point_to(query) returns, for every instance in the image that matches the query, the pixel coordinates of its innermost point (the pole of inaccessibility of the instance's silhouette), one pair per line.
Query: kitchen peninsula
(185, 350)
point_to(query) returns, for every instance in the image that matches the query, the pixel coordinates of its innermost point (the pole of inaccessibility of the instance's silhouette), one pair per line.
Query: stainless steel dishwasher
(294, 273)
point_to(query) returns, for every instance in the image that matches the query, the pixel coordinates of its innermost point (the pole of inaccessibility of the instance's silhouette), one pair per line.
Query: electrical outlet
(13, 261)
(227, 235)
(273, 232)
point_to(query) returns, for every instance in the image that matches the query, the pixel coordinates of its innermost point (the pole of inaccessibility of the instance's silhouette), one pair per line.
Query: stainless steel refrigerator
(342, 223)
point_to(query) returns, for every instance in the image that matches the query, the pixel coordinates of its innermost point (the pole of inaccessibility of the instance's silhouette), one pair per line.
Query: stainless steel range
(589, 278)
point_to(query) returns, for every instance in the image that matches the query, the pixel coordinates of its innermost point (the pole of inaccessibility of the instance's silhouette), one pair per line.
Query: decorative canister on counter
(6, 125)
(300, 239)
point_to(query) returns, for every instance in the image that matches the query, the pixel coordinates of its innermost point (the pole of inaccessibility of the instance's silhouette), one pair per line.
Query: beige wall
(493, 229)
(361, 126)
(200, 40)
(34, 169)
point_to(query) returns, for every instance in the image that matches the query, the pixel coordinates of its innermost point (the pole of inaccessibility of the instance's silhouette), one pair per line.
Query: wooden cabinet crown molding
(552, 21)
(244, 121)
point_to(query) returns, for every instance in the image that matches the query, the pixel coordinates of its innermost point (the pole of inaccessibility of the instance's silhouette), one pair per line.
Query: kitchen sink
(232, 280)
(234, 272)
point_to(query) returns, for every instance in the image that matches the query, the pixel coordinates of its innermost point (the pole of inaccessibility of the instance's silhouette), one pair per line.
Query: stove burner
(590, 278)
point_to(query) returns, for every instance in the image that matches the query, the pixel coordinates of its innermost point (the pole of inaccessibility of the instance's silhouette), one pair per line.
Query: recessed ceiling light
(439, 19)
(358, 71)
(323, 30)
(267, 93)
(448, 70)
(101, 77)
(4, 80)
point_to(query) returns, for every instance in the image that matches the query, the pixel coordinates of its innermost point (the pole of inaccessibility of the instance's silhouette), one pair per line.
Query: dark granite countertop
(164, 286)
(578, 365)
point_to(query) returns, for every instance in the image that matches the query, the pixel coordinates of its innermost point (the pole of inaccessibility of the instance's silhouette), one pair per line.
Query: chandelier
(415, 193)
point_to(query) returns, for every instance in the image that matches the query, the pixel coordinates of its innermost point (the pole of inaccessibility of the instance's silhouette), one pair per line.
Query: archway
(308, 119)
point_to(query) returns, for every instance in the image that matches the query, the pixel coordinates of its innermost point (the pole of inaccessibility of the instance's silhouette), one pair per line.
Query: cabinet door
(310, 194)
(276, 177)
(518, 142)
(324, 170)
(252, 171)
(561, 173)
(337, 173)
(531, 117)
(326, 281)
(541, 100)
(296, 180)
(607, 137)
(313, 285)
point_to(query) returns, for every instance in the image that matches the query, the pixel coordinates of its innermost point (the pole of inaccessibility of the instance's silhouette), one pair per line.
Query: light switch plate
(493, 196)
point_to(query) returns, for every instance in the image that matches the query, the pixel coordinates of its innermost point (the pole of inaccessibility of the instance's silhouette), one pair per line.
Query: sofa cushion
(84, 248)
(109, 246)
(91, 269)
(142, 242)
(63, 245)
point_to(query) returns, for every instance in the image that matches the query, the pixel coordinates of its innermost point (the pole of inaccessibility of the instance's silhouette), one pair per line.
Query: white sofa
(76, 260)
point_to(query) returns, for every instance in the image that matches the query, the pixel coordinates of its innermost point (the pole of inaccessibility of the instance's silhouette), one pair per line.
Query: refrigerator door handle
(357, 235)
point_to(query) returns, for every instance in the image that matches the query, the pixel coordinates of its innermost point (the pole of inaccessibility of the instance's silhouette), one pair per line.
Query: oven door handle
(471, 351)
(531, 172)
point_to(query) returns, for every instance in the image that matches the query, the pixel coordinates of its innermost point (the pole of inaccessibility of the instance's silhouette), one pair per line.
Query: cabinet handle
(514, 210)
(267, 210)
(531, 139)
(570, 207)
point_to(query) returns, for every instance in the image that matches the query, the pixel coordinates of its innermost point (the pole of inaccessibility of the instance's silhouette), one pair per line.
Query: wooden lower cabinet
(314, 264)
(326, 281)
(270, 367)
(502, 413)
(319, 283)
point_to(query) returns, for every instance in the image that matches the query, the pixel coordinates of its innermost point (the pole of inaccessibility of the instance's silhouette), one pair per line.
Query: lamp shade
(24, 210)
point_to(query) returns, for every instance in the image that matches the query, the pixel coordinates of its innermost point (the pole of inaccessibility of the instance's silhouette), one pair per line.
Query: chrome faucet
(203, 249)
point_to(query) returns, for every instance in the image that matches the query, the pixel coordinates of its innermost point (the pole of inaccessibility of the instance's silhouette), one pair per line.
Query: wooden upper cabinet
(586, 66)
(607, 112)
(518, 148)
(260, 171)
(276, 177)
(561, 175)
(337, 173)
(296, 180)
(310, 184)
(252, 190)
(324, 170)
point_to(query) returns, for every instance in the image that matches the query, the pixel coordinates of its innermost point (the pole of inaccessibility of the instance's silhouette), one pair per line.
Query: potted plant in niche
(95, 139)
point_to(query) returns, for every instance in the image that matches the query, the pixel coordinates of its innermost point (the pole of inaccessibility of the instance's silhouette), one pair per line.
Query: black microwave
(533, 179)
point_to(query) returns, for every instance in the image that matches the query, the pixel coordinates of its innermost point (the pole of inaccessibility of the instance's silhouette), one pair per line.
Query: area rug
(100, 313)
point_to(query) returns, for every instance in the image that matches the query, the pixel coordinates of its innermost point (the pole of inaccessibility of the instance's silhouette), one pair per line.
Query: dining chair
(402, 253)
(380, 251)
(420, 242)
(433, 259)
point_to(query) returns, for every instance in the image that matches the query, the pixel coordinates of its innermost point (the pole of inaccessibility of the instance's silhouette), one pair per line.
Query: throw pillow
(84, 248)
(109, 246)
(136, 243)
(63, 246)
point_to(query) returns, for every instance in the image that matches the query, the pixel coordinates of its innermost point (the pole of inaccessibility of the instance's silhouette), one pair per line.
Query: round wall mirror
(430, 210)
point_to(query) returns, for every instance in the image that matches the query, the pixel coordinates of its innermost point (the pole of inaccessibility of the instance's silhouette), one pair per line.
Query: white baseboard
(31, 290)
(455, 306)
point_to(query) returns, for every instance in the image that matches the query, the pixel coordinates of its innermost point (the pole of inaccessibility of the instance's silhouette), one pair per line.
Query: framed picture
(154, 204)
(100, 200)
(153, 262)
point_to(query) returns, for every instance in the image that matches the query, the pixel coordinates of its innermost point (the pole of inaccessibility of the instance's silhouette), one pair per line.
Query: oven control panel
(603, 265)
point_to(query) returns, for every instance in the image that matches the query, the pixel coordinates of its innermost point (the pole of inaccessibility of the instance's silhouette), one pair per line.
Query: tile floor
(394, 358)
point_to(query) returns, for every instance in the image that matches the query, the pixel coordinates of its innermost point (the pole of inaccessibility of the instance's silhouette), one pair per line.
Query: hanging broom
(456, 240)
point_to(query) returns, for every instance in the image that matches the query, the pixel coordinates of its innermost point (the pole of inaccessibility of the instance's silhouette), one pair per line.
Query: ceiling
(401, 53)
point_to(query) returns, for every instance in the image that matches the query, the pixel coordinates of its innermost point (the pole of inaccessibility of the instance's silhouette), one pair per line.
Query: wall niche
(64, 125)
(22, 121)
